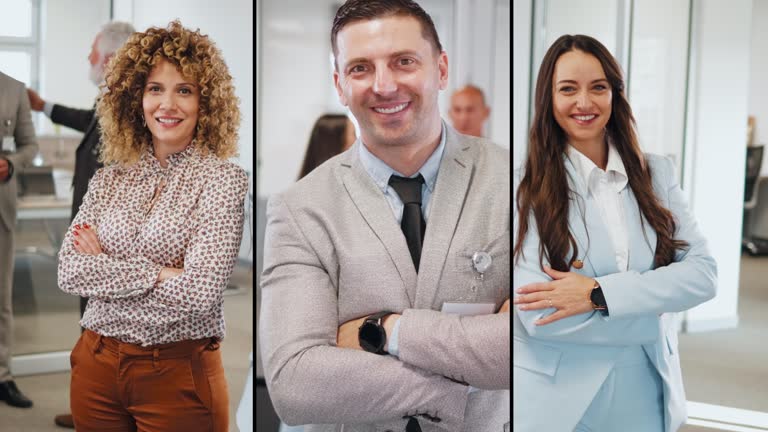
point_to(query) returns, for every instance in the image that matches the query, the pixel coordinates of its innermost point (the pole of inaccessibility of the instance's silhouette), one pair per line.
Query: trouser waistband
(170, 350)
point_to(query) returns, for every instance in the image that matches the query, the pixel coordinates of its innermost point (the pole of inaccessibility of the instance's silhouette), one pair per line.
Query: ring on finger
(550, 302)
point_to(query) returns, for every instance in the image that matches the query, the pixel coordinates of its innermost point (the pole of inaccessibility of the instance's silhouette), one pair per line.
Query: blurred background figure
(18, 146)
(331, 135)
(468, 110)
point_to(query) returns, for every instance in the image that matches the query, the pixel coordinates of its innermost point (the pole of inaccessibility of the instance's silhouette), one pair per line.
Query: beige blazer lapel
(377, 213)
(446, 204)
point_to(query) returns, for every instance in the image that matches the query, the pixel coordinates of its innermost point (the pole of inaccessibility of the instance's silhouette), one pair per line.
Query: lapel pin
(481, 261)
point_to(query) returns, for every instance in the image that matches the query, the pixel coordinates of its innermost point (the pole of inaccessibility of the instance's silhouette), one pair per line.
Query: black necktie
(413, 225)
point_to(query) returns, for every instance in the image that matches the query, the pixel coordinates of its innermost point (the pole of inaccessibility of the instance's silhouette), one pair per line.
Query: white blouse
(607, 188)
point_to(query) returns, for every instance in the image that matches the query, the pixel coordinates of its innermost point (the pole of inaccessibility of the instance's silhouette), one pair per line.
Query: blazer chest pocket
(482, 271)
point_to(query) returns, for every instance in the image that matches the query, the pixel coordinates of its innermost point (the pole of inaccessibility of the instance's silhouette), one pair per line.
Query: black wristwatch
(371, 335)
(598, 299)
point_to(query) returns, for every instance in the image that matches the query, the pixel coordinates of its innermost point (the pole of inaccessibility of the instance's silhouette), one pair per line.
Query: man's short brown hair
(358, 10)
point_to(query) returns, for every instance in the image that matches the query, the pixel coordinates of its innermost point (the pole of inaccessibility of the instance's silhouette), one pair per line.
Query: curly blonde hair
(124, 136)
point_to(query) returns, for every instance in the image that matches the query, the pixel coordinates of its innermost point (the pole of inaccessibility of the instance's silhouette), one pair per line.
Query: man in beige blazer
(17, 149)
(358, 268)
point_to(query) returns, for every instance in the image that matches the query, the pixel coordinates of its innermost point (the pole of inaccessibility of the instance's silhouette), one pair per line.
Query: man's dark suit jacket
(87, 154)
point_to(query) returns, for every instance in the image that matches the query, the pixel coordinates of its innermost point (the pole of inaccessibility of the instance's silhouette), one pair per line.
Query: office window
(20, 40)
(16, 19)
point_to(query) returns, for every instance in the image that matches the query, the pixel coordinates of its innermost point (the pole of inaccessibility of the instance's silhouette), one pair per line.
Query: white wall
(716, 149)
(68, 28)
(521, 79)
(758, 85)
(500, 85)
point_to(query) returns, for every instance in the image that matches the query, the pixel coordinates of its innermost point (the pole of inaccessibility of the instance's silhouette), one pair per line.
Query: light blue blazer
(559, 367)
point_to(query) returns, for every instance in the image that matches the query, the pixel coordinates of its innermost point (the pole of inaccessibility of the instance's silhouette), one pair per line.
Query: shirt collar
(585, 167)
(615, 164)
(380, 172)
(150, 164)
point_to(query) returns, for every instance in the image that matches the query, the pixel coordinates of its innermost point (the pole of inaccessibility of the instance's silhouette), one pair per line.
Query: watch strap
(378, 317)
(597, 298)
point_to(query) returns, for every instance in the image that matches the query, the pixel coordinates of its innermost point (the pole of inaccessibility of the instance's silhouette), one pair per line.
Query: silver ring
(550, 302)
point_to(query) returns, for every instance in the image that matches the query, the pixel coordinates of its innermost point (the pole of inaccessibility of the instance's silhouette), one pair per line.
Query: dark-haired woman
(331, 135)
(605, 252)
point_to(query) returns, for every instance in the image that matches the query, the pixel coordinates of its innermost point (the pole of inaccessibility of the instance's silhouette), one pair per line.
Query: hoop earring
(143, 121)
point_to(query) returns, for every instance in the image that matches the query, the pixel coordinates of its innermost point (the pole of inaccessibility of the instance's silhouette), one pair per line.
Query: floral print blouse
(194, 223)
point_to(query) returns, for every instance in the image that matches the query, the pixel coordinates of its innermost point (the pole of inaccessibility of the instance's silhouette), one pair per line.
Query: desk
(44, 208)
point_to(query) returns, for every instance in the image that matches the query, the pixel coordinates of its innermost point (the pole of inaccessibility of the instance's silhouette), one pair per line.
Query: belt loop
(213, 345)
(155, 357)
(99, 344)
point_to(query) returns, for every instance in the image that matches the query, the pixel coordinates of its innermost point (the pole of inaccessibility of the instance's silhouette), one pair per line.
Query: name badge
(9, 145)
(468, 308)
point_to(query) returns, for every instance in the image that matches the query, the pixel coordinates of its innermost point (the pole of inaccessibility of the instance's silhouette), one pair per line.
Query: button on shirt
(607, 188)
(380, 172)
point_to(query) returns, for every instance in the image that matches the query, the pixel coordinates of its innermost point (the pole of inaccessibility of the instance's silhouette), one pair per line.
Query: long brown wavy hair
(544, 188)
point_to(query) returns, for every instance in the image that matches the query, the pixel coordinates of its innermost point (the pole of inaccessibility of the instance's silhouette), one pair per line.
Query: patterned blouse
(195, 223)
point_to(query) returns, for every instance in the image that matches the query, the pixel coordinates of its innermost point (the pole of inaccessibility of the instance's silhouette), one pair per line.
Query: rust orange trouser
(118, 386)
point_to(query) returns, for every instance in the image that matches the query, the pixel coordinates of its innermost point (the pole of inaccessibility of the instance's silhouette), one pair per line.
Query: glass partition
(652, 49)
(658, 75)
(46, 320)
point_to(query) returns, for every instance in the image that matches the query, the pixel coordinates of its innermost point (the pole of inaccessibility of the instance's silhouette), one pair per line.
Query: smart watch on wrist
(598, 299)
(371, 335)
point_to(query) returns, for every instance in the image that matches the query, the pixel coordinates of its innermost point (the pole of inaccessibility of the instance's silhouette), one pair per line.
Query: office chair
(752, 244)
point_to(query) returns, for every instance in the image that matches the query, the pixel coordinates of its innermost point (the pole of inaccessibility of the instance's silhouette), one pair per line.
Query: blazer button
(578, 264)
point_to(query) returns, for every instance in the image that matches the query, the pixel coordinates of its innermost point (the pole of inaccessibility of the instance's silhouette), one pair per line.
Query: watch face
(371, 337)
